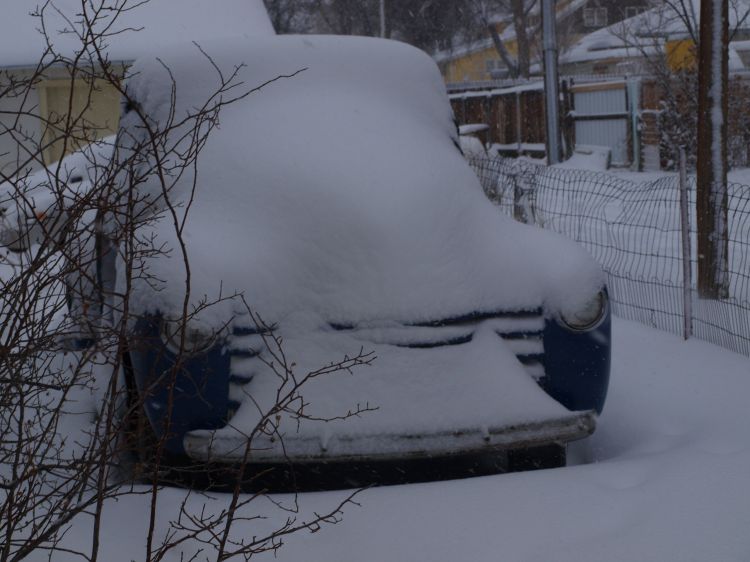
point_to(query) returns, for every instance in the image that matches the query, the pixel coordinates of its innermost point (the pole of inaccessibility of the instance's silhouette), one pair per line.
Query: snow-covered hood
(341, 191)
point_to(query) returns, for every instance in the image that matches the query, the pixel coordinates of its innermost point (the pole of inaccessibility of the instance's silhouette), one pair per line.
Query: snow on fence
(634, 229)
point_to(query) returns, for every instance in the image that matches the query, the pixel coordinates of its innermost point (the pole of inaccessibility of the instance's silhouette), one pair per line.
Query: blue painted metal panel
(577, 364)
(179, 396)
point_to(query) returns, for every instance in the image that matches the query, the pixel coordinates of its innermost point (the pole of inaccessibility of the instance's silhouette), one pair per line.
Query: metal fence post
(551, 81)
(687, 281)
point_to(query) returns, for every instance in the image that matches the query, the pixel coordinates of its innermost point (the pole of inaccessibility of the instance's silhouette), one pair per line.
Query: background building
(26, 114)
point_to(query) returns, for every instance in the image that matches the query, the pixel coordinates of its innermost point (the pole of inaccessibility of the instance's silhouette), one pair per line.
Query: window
(443, 44)
(632, 11)
(491, 64)
(595, 17)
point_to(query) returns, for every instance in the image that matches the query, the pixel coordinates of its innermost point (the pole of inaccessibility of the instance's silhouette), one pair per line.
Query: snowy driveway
(670, 481)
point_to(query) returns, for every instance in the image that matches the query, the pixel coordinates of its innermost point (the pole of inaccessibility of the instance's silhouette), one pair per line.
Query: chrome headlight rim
(591, 319)
(198, 339)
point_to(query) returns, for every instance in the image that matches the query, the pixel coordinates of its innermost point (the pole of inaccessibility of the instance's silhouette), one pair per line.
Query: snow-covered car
(337, 203)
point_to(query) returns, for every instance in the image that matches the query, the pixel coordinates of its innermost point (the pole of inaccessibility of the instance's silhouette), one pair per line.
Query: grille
(522, 331)
(244, 346)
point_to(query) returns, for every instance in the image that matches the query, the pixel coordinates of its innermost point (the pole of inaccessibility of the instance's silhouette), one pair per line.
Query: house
(624, 46)
(480, 61)
(656, 47)
(34, 97)
(613, 96)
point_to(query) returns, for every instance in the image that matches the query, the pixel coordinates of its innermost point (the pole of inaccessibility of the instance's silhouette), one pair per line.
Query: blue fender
(577, 364)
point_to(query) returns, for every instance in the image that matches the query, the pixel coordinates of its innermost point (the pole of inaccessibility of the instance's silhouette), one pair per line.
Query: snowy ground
(667, 478)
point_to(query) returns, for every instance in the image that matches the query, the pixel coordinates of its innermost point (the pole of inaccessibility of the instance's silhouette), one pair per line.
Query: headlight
(586, 317)
(198, 338)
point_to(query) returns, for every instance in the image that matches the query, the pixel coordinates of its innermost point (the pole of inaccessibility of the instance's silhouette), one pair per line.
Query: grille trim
(522, 330)
(476, 317)
(468, 319)
(252, 330)
(439, 343)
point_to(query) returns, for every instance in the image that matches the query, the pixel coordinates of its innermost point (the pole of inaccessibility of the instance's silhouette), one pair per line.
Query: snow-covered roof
(647, 32)
(463, 50)
(515, 89)
(507, 34)
(160, 22)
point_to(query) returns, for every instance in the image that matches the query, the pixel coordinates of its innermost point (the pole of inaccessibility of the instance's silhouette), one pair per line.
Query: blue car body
(192, 393)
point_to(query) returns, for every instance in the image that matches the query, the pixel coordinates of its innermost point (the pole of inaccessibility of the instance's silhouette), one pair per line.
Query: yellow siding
(473, 66)
(87, 111)
(681, 54)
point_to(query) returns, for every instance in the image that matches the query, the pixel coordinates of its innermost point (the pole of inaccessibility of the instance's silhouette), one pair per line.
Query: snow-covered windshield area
(340, 191)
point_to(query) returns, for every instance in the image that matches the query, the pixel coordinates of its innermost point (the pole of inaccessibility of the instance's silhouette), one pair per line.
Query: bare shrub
(68, 420)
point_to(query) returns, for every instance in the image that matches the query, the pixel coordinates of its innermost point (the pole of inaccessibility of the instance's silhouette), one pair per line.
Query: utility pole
(711, 199)
(551, 89)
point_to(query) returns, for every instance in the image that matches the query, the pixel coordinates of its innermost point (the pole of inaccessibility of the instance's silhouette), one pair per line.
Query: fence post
(687, 282)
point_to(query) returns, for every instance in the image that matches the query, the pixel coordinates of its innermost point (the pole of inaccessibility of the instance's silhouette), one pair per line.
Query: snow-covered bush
(678, 119)
(68, 419)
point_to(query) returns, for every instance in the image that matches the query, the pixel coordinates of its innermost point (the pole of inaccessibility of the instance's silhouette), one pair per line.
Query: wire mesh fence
(635, 231)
